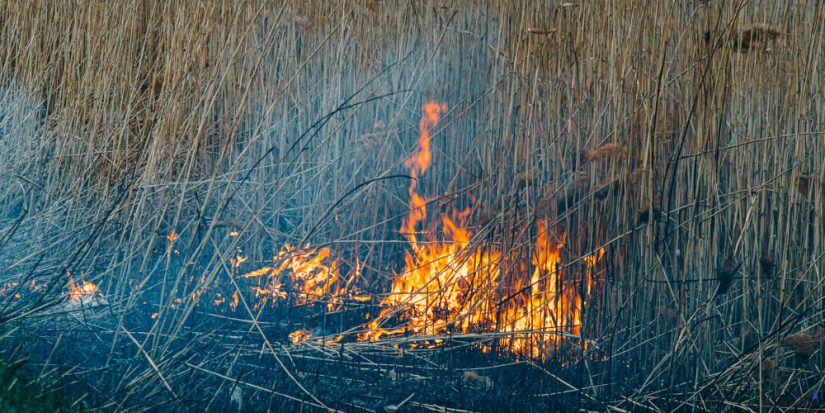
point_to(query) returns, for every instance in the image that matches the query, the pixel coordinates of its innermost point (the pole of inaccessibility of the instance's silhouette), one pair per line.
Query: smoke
(21, 149)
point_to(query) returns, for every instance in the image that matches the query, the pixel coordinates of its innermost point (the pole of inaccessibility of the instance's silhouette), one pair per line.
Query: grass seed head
(527, 177)
(369, 142)
(473, 380)
(644, 213)
(744, 40)
(726, 276)
(767, 366)
(609, 151)
(803, 184)
(767, 262)
(803, 344)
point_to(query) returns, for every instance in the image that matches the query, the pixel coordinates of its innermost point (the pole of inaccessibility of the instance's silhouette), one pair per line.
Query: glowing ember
(257, 273)
(300, 336)
(236, 262)
(79, 291)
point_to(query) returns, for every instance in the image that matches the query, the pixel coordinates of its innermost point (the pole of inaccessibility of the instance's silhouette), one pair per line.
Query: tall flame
(418, 163)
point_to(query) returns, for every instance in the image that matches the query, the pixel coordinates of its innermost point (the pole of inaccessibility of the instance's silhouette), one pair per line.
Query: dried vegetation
(208, 204)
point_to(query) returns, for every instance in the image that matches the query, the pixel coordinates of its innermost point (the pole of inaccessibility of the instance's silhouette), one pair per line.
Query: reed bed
(161, 150)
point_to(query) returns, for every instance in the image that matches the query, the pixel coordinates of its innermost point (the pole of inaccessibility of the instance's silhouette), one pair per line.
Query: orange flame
(236, 262)
(312, 276)
(77, 291)
(418, 163)
(299, 336)
(448, 287)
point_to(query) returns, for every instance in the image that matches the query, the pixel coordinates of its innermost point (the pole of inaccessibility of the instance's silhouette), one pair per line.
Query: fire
(548, 309)
(299, 336)
(444, 287)
(449, 288)
(77, 291)
(418, 163)
(236, 262)
(448, 285)
(309, 275)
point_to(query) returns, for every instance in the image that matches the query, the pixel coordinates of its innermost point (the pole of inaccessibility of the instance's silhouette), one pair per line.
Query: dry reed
(242, 126)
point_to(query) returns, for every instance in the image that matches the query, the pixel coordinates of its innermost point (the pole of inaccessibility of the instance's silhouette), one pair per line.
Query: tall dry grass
(645, 128)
